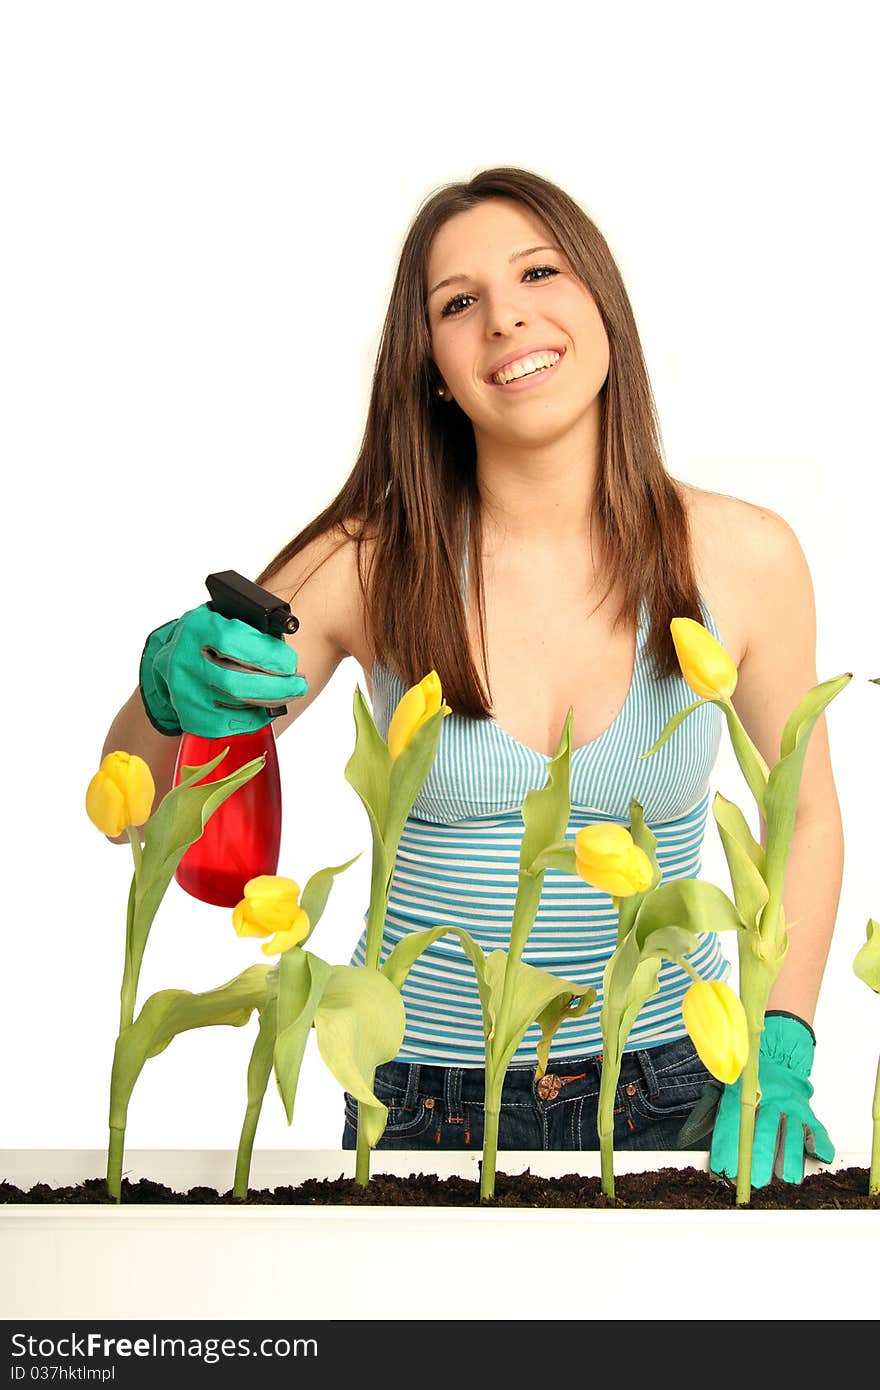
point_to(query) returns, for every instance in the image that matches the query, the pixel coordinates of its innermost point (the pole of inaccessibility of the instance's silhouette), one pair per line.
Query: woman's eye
(453, 307)
(457, 305)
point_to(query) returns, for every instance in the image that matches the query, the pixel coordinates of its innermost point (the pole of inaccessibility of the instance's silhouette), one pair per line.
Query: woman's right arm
(326, 600)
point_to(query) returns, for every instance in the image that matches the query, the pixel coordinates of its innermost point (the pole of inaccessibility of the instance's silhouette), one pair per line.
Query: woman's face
(503, 297)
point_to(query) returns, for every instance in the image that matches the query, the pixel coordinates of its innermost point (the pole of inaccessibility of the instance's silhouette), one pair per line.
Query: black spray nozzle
(234, 596)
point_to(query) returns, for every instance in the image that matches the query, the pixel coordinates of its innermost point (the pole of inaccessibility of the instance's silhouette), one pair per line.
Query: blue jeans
(432, 1107)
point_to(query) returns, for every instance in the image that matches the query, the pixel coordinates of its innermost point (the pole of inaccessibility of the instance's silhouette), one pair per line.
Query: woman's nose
(502, 315)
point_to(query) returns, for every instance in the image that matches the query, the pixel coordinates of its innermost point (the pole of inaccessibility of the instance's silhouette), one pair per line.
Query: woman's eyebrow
(517, 256)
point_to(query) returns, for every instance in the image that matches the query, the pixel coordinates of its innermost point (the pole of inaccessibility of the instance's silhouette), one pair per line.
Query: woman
(509, 523)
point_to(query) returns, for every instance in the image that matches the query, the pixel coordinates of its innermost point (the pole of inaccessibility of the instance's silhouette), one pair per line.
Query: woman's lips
(523, 383)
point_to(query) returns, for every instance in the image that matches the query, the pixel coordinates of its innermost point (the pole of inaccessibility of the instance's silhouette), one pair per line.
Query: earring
(441, 392)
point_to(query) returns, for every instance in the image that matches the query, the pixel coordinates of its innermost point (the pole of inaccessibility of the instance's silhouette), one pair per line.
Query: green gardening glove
(785, 1127)
(214, 676)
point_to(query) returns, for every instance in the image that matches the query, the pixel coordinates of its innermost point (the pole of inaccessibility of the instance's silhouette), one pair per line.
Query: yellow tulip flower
(270, 907)
(607, 857)
(413, 709)
(705, 664)
(716, 1021)
(120, 794)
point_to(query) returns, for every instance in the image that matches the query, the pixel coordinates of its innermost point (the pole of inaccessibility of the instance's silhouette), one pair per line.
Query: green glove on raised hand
(785, 1127)
(214, 676)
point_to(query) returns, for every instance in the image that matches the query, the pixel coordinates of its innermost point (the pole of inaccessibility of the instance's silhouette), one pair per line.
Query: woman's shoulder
(324, 579)
(743, 552)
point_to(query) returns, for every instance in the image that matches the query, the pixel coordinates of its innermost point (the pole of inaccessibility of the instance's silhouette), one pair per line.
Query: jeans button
(631, 1089)
(549, 1086)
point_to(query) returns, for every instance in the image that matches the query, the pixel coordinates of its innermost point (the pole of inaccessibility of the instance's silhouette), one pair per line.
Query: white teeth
(525, 366)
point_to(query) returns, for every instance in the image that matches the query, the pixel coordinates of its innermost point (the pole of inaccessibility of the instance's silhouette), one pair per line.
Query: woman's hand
(215, 676)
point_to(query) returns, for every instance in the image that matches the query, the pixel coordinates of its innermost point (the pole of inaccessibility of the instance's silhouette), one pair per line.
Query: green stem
(607, 1091)
(115, 1150)
(490, 1151)
(246, 1150)
(748, 1108)
(874, 1175)
(372, 954)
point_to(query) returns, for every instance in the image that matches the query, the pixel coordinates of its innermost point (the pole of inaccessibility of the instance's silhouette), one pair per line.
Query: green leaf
(751, 764)
(691, 903)
(408, 773)
(560, 856)
(360, 1024)
(401, 958)
(177, 822)
(313, 898)
(670, 727)
(368, 769)
(533, 991)
(302, 978)
(800, 724)
(745, 861)
(867, 961)
(173, 1011)
(546, 812)
(783, 787)
(571, 1002)
(646, 840)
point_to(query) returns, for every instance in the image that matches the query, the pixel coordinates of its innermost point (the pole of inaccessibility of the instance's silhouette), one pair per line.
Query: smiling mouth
(525, 366)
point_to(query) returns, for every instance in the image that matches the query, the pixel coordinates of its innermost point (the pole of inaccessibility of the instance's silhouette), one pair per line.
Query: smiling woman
(510, 525)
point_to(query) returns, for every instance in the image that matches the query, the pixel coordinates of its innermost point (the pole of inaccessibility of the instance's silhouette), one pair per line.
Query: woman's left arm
(776, 670)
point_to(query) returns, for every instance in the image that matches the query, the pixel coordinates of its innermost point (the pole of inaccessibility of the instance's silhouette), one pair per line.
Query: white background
(203, 208)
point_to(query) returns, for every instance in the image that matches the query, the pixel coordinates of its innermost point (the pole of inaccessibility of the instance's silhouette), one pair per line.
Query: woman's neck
(538, 494)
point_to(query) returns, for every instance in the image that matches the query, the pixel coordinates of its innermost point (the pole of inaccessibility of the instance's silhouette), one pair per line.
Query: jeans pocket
(404, 1124)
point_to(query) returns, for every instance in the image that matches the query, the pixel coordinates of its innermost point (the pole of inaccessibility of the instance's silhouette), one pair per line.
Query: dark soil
(684, 1188)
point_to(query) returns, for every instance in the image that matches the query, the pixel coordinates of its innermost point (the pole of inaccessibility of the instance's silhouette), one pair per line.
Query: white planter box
(263, 1262)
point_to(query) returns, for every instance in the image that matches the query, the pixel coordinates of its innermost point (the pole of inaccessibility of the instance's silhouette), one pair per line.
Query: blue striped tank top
(458, 860)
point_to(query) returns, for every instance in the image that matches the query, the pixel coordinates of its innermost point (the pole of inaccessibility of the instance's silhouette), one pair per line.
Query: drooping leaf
(571, 1002)
(533, 992)
(302, 978)
(359, 1024)
(690, 903)
(407, 951)
(173, 1011)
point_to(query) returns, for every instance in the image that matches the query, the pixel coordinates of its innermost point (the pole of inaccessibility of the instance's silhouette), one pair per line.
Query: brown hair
(415, 474)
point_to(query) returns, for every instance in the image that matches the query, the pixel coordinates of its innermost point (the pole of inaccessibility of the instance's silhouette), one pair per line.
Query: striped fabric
(458, 860)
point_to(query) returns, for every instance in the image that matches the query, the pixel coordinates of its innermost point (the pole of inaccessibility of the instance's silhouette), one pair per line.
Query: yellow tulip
(120, 794)
(270, 907)
(716, 1021)
(607, 857)
(705, 664)
(413, 709)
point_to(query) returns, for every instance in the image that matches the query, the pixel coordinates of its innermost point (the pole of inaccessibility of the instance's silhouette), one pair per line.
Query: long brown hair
(415, 475)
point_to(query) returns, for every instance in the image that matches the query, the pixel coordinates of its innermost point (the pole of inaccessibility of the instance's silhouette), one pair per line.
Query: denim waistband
(456, 1086)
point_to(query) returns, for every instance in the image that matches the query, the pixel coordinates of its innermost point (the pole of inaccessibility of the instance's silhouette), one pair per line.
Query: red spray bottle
(243, 836)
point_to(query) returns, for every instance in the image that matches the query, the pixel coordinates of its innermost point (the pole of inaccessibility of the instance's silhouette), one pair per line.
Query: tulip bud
(120, 794)
(270, 907)
(705, 664)
(413, 710)
(716, 1021)
(607, 857)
